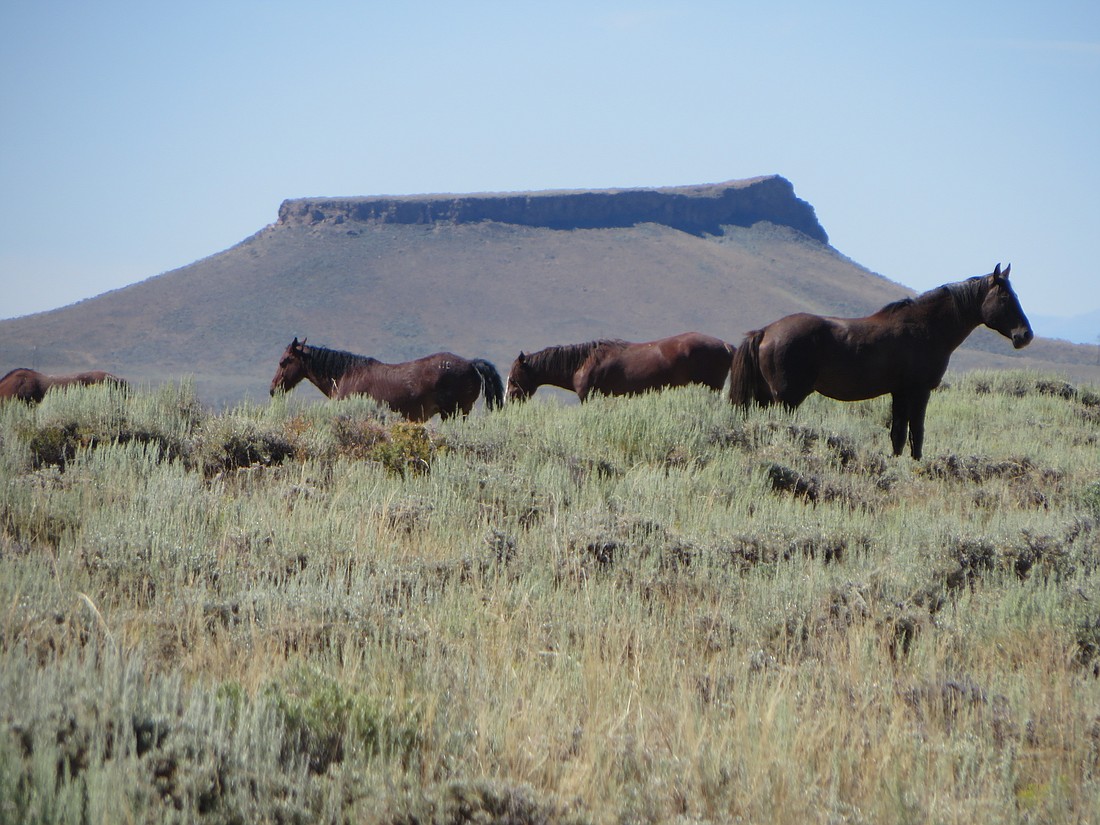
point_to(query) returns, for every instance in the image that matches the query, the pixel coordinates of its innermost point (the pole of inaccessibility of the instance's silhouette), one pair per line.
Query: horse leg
(899, 420)
(917, 407)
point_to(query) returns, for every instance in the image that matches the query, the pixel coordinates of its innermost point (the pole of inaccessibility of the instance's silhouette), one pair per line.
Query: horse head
(521, 384)
(292, 367)
(1001, 309)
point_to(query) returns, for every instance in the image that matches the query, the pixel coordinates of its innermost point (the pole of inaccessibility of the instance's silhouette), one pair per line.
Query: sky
(934, 139)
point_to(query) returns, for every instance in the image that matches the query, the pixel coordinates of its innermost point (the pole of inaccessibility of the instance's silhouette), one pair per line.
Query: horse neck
(324, 367)
(558, 365)
(325, 385)
(951, 311)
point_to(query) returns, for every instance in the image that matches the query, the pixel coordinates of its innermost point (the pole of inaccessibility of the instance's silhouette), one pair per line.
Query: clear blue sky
(933, 139)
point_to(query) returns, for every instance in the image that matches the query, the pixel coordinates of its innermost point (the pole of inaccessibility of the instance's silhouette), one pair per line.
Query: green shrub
(325, 723)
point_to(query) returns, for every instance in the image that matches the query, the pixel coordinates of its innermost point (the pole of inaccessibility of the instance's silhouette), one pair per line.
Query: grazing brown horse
(615, 367)
(31, 386)
(902, 349)
(443, 383)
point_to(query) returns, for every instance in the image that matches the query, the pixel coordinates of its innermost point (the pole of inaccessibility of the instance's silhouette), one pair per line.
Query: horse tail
(492, 387)
(747, 382)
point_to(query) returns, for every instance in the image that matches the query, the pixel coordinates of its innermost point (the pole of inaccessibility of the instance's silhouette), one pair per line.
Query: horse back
(97, 377)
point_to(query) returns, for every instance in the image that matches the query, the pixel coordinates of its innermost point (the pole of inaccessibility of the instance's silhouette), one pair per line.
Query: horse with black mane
(442, 383)
(31, 385)
(901, 350)
(616, 367)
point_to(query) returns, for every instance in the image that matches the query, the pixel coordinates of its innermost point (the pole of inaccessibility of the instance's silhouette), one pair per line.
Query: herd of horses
(902, 351)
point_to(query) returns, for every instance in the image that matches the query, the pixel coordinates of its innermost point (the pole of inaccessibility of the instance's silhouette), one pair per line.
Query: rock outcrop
(699, 210)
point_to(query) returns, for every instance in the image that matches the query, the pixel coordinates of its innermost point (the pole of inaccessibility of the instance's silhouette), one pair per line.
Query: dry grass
(638, 610)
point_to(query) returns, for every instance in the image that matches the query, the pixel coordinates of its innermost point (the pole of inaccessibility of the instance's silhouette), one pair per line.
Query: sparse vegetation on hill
(637, 610)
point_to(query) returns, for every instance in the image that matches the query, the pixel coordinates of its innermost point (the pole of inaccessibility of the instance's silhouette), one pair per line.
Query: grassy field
(637, 610)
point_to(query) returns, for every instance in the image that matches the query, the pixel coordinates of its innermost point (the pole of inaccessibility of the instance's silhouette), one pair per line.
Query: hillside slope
(397, 285)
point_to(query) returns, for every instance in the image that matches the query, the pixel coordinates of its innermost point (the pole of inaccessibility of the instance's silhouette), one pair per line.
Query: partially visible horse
(615, 367)
(903, 349)
(31, 385)
(443, 383)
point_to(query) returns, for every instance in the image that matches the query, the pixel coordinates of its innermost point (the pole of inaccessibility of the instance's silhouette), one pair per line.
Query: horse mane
(567, 358)
(896, 306)
(332, 363)
(965, 297)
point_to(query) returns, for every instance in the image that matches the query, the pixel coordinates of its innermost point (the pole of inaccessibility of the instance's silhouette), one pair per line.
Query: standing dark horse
(902, 349)
(31, 386)
(615, 367)
(443, 383)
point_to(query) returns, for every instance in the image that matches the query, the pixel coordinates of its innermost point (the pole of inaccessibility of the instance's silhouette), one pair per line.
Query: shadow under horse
(615, 367)
(31, 385)
(901, 350)
(442, 383)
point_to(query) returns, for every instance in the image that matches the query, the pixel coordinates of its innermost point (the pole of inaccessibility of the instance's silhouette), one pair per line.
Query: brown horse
(615, 367)
(903, 349)
(31, 386)
(443, 383)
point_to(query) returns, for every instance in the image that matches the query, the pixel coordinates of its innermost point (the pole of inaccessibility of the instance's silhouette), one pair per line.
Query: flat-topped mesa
(700, 210)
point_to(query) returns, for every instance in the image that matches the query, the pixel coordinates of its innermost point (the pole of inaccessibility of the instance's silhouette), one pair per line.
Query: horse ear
(522, 359)
(1007, 270)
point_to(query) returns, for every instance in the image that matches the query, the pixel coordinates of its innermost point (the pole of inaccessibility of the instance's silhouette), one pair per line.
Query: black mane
(333, 363)
(568, 358)
(895, 306)
(965, 295)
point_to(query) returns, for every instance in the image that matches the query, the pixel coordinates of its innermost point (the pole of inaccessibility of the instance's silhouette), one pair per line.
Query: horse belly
(633, 374)
(856, 375)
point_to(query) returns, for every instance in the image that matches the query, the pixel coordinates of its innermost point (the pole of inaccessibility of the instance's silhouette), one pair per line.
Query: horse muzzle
(1022, 337)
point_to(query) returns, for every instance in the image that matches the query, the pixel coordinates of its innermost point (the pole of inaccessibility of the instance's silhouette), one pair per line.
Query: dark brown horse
(443, 383)
(615, 367)
(31, 386)
(902, 349)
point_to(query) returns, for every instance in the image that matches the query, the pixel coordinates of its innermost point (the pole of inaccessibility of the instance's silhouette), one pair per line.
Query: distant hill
(1082, 329)
(483, 276)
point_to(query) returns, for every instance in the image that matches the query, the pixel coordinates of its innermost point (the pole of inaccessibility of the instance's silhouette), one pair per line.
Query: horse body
(615, 367)
(442, 383)
(688, 358)
(902, 350)
(31, 386)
